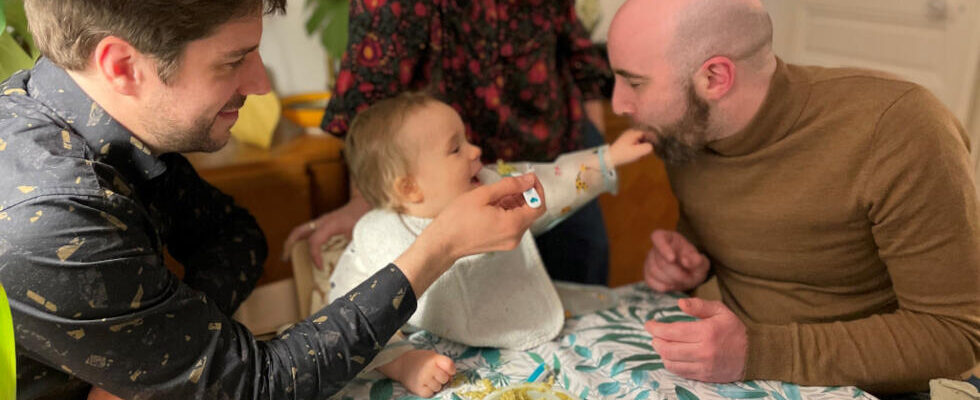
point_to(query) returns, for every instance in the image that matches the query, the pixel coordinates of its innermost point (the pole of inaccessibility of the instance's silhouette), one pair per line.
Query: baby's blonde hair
(375, 154)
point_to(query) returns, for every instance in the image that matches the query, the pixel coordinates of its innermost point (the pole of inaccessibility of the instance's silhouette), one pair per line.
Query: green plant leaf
(334, 32)
(8, 364)
(16, 18)
(644, 395)
(12, 57)
(3, 18)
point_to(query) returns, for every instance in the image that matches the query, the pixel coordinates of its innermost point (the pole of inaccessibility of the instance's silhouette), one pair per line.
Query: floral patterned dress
(517, 71)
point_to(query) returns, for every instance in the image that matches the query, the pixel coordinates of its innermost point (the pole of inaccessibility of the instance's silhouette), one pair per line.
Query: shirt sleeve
(922, 205)
(91, 297)
(219, 243)
(590, 70)
(570, 182)
(383, 58)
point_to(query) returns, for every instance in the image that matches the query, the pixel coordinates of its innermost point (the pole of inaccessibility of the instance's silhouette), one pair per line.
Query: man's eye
(455, 150)
(237, 64)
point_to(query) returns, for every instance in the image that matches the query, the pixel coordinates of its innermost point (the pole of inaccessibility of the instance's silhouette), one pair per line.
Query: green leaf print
(858, 393)
(646, 367)
(684, 394)
(613, 327)
(634, 312)
(556, 365)
(642, 357)
(571, 339)
(608, 319)
(605, 360)
(644, 395)
(677, 318)
(617, 368)
(470, 352)
(735, 392)
(644, 346)
(583, 351)
(616, 337)
(608, 388)
(381, 390)
(792, 391)
(534, 356)
(491, 356)
(585, 368)
(639, 377)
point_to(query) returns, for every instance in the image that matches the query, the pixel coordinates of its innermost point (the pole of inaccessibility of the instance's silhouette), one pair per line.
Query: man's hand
(674, 263)
(710, 350)
(488, 218)
(99, 394)
(337, 222)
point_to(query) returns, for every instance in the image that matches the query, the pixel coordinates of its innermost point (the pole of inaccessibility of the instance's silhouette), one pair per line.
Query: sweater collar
(789, 90)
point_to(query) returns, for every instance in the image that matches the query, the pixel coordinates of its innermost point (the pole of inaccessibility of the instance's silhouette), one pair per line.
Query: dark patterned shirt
(516, 71)
(86, 213)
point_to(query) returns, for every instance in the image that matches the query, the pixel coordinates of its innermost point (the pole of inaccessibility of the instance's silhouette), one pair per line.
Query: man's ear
(715, 78)
(123, 67)
(408, 191)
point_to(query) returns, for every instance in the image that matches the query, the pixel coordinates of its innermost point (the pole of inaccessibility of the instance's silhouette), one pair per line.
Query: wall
(296, 62)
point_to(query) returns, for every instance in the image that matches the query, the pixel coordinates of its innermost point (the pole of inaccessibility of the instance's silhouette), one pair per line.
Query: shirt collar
(789, 91)
(112, 142)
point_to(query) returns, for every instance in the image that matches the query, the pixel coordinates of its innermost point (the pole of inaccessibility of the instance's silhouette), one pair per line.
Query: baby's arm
(576, 178)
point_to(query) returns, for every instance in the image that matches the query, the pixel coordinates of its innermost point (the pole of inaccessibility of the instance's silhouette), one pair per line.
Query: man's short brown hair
(67, 31)
(376, 154)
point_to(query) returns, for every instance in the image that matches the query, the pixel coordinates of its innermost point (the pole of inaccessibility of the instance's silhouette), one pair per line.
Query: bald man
(835, 206)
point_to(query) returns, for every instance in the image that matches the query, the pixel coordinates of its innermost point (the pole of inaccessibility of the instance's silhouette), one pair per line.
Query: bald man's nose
(619, 104)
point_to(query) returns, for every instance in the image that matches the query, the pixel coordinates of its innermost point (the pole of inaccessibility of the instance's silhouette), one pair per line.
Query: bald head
(685, 33)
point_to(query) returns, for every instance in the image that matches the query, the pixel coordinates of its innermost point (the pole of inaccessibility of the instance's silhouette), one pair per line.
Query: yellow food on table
(522, 391)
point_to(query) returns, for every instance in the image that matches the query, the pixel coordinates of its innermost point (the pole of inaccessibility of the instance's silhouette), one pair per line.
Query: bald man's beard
(680, 142)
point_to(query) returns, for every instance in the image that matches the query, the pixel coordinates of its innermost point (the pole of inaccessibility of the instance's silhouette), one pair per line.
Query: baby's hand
(628, 147)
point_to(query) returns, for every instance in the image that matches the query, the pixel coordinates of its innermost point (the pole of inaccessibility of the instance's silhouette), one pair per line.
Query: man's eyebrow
(627, 74)
(240, 52)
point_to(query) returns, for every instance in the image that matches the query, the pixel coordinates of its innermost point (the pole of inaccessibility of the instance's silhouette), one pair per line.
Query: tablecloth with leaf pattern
(601, 355)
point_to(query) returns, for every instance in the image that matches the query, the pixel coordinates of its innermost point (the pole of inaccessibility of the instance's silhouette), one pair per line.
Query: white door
(932, 42)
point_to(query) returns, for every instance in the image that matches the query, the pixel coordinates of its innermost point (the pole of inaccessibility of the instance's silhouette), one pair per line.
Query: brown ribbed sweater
(843, 227)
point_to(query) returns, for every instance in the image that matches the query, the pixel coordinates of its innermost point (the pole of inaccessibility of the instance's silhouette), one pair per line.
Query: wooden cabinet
(644, 203)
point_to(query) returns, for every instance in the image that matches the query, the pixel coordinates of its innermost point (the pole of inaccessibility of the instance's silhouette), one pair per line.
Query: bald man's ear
(121, 66)
(715, 78)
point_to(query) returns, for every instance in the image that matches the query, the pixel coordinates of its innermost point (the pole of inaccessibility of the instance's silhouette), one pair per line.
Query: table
(600, 355)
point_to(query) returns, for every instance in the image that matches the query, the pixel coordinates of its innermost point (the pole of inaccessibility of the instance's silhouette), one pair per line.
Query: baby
(409, 158)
